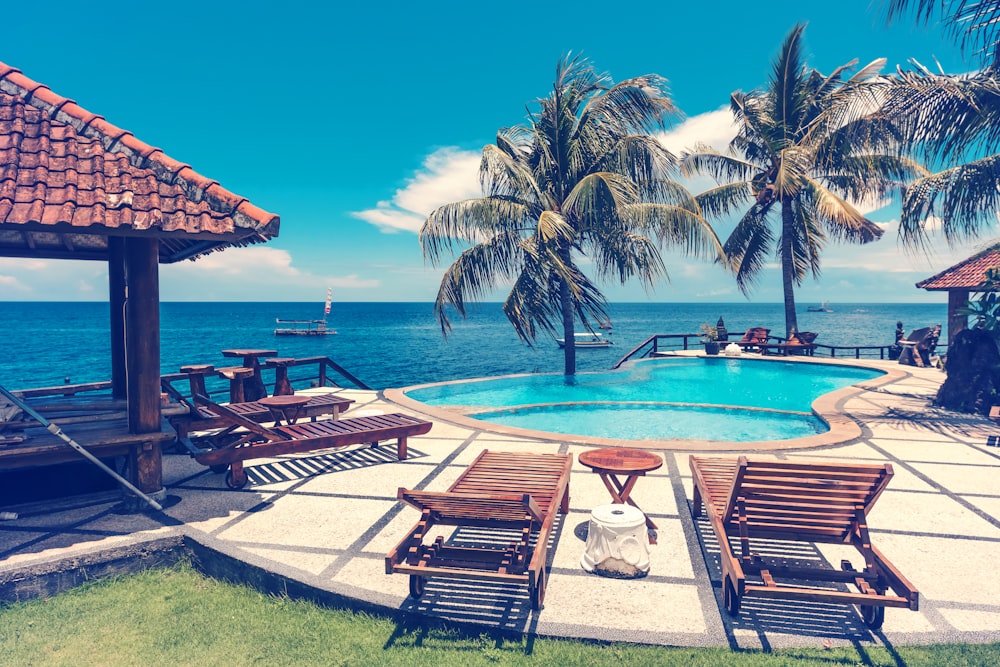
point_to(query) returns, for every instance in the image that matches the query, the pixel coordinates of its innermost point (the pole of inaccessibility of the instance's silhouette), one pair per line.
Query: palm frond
(806, 240)
(723, 199)
(475, 273)
(839, 217)
(677, 227)
(470, 221)
(723, 168)
(966, 200)
(749, 246)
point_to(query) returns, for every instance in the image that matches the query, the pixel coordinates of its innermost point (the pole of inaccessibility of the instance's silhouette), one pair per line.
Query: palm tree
(802, 154)
(582, 182)
(953, 120)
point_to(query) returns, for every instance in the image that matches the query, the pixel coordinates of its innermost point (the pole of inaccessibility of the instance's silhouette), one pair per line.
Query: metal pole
(56, 431)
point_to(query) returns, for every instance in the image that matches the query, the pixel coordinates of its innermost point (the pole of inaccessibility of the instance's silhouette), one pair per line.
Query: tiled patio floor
(328, 519)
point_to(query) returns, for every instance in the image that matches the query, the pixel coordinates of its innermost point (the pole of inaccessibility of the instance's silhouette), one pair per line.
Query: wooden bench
(517, 492)
(255, 441)
(752, 500)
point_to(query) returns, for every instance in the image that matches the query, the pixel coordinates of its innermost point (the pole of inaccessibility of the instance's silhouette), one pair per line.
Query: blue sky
(352, 121)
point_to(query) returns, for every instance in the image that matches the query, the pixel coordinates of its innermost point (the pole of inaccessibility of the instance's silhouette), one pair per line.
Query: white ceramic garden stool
(617, 542)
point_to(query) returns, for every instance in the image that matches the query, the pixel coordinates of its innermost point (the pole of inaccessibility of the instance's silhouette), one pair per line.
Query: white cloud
(24, 264)
(9, 284)
(447, 175)
(714, 128)
(265, 272)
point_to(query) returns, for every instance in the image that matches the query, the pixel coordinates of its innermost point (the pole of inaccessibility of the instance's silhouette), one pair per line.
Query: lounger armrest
(237, 419)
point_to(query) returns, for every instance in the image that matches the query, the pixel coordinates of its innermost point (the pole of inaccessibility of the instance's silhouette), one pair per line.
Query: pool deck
(325, 522)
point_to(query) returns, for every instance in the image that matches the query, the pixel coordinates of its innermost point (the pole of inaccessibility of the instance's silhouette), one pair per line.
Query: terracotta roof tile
(64, 167)
(967, 274)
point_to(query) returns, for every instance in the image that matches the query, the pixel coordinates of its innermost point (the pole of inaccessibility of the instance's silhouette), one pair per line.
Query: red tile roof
(69, 179)
(967, 274)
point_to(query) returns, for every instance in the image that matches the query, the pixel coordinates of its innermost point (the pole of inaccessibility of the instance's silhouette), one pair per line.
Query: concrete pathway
(327, 521)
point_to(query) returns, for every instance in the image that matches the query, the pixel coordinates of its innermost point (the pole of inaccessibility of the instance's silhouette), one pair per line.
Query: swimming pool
(689, 398)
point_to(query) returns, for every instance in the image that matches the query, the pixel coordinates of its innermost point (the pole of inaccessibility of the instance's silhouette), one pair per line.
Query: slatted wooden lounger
(259, 442)
(803, 502)
(518, 492)
(202, 418)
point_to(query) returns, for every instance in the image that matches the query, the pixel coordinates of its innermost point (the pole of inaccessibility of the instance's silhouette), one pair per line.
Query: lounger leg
(401, 449)
(236, 478)
(537, 592)
(696, 503)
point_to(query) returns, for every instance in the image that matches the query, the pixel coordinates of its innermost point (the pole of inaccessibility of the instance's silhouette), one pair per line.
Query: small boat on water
(821, 308)
(307, 327)
(586, 340)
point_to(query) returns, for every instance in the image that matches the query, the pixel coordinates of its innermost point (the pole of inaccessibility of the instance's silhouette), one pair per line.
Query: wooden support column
(957, 298)
(116, 302)
(142, 346)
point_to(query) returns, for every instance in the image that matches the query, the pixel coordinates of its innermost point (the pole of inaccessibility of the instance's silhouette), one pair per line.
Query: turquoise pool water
(721, 399)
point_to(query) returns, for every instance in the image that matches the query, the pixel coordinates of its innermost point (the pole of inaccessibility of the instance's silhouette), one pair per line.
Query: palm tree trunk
(788, 267)
(568, 316)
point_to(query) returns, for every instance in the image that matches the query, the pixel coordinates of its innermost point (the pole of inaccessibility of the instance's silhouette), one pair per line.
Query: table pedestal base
(617, 543)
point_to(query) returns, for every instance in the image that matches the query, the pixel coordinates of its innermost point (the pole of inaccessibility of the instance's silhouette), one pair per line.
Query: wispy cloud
(714, 128)
(267, 272)
(447, 175)
(450, 174)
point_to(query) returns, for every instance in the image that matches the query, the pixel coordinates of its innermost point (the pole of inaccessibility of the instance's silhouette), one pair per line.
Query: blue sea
(395, 344)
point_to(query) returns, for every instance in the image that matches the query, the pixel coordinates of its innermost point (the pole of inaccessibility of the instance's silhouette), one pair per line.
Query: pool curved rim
(827, 408)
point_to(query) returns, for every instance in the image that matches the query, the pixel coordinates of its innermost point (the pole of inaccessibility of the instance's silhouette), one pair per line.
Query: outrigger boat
(307, 327)
(586, 340)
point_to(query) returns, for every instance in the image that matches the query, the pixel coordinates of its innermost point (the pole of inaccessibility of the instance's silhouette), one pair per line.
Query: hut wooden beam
(116, 302)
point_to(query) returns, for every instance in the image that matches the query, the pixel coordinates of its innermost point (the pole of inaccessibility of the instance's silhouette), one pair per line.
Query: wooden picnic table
(612, 462)
(253, 387)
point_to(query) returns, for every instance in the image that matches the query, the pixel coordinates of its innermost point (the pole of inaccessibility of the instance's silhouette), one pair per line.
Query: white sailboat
(307, 327)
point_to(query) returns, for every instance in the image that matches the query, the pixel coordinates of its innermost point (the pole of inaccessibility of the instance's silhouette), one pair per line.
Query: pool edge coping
(828, 408)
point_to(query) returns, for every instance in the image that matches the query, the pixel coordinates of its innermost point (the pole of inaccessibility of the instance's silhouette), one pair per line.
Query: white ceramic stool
(617, 542)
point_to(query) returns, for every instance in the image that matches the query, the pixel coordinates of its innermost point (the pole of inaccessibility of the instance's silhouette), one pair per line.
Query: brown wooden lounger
(798, 502)
(518, 492)
(258, 442)
(202, 418)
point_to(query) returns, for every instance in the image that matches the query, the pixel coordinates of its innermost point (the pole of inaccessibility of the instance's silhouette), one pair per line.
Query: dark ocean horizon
(395, 344)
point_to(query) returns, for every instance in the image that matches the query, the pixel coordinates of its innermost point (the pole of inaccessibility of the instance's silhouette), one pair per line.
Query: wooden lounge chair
(201, 418)
(517, 492)
(918, 347)
(754, 339)
(798, 502)
(255, 441)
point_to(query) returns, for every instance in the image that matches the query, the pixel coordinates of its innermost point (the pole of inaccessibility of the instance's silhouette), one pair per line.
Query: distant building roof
(968, 274)
(69, 179)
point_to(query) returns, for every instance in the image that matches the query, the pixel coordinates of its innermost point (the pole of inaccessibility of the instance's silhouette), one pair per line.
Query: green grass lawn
(177, 616)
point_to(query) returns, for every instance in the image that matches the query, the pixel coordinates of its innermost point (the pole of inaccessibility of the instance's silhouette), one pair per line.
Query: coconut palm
(798, 161)
(954, 120)
(582, 185)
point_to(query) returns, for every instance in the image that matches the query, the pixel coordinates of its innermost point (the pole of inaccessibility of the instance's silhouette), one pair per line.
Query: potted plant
(710, 337)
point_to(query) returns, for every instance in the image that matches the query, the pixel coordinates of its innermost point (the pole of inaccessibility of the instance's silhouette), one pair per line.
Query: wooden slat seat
(201, 418)
(751, 500)
(254, 441)
(515, 494)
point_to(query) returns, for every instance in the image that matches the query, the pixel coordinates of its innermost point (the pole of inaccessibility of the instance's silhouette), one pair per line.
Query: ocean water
(394, 344)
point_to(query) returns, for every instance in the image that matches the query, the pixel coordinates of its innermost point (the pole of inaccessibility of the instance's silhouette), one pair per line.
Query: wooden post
(142, 334)
(956, 321)
(146, 467)
(142, 347)
(116, 300)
